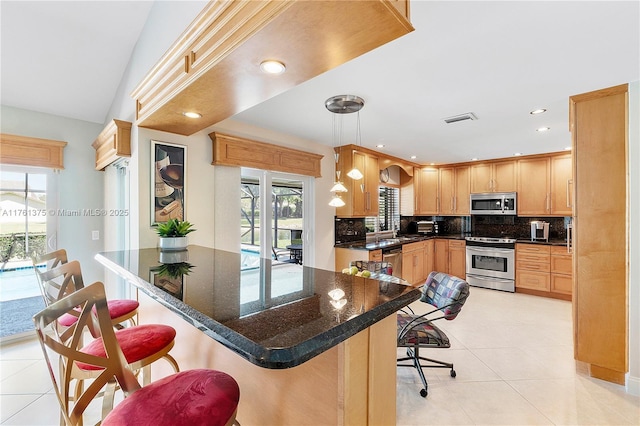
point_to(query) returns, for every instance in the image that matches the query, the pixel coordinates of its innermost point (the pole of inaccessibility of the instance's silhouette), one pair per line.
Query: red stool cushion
(193, 397)
(117, 308)
(136, 342)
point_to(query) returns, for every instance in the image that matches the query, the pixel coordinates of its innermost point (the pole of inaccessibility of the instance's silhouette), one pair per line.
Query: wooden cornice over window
(234, 151)
(112, 143)
(213, 68)
(28, 151)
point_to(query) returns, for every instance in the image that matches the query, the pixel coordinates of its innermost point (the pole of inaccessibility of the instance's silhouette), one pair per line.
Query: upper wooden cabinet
(425, 181)
(545, 186)
(112, 143)
(498, 176)
(454, 188)
(214, 66)
(361, 198)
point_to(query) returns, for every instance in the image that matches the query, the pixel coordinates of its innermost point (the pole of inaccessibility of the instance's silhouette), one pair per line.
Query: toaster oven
(426, 227)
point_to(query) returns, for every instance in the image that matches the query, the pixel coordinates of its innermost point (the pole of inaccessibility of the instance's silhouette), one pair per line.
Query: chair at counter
(447, 294)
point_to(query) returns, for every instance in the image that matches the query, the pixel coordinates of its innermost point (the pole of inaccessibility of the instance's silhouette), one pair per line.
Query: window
(388, 218)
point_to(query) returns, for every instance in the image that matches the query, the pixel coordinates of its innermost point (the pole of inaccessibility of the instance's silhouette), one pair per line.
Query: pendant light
(344, 104)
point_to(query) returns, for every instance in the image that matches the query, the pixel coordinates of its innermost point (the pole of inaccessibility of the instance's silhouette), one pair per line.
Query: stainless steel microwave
(503, 203)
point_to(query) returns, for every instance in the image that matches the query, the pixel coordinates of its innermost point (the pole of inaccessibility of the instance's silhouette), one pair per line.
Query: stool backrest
(60, 281)
(64, 350)
(445, 292)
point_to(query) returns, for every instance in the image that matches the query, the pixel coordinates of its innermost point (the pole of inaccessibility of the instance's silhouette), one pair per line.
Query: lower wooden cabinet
(457, 258)
(543, 270)
(441, 255)
(413, 262)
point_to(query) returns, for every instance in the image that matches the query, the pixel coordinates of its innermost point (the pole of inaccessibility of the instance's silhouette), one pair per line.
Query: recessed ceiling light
(543, 129)
(380, 145)
(538, 111)
(474, 159)
(567, 148)
(517, 154)
(413, 157)
(272, 67)
(432, 164)
(192, 114)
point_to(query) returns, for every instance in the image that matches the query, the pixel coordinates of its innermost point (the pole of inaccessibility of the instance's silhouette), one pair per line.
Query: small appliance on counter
(539, 230)
(427, 227)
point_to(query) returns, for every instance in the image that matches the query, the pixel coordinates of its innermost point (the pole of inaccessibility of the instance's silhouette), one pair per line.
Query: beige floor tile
(10, 367)
(438, 408)
(32, 380)
(11, 404)
(514, 363)
(25, 349)
(41, 412)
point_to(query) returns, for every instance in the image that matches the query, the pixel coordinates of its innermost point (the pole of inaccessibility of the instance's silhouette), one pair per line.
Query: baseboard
(633, 385)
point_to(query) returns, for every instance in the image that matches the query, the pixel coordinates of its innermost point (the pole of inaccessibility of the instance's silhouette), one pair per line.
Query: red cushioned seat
(117, 308)
(137, 343)
(193, 397)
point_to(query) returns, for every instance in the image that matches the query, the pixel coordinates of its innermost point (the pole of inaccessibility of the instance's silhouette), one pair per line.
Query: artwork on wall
(167, 181)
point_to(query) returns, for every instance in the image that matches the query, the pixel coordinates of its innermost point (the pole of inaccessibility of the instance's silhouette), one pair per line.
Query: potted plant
(173, 234)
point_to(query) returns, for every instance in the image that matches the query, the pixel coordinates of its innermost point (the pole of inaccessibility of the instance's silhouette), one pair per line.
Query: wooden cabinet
(426, 190)
(544, 186)
(344, 256)
(441, 255)
(413, 262)
(429, 248)
(599, 131)
(454, 188)
(532, 267)
(457, 258)
(375, 255)
(561, 270)
(498, 176)
(533, 186)
(561, 186)
(361, 198)
(543, 270)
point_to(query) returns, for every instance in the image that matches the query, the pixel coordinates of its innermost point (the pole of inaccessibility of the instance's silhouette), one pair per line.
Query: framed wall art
(168, 181)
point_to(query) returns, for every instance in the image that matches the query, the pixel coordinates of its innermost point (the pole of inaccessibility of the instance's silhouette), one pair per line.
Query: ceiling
(499, 60)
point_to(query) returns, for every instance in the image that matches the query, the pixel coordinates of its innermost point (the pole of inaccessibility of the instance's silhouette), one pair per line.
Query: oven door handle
(481, 278)
(493, 250)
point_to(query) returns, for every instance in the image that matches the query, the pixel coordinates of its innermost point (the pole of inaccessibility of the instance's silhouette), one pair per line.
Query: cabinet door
(561, 185)
(358, 195)
(372, 183)
(407, 267)
(461, 192)
(441, 255)
(428, 257)
(457, 259)
(481, 177)
(504, 176)
(446, 190)
(533, 187)
(428, 191)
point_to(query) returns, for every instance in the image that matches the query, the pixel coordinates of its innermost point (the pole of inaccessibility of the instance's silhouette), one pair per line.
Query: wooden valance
(28, 151)
(234, 151)
(112, 143)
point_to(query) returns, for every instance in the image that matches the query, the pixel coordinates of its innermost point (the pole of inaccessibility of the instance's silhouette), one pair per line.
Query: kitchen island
(307, 346)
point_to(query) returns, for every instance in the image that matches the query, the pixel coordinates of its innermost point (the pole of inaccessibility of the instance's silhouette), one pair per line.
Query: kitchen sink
(397, 240)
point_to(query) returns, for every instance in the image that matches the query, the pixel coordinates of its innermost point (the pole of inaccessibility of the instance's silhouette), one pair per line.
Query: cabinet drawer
(561, 265)
(533, 248)
(533, 280)
(532, 266)
(561, 283)
(406, 248)
(532, 257)
(560, 251)
(375, 255)
(457, 243)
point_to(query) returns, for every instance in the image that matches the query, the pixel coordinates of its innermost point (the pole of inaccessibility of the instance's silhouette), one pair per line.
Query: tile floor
(512, 353)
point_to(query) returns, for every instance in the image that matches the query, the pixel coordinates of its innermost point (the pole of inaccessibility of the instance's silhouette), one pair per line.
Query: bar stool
(121, 310)
(187, 398)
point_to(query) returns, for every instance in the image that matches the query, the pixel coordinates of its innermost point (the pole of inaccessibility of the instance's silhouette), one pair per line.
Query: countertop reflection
(276, 315)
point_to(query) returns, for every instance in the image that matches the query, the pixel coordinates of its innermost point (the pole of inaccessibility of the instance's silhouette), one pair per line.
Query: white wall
(633, 378)
(80, 186)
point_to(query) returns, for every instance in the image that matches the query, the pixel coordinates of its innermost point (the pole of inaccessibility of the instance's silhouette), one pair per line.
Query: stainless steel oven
(491, 263)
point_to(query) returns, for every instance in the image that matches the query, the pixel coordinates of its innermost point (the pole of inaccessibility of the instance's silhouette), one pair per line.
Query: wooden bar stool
(188, 398)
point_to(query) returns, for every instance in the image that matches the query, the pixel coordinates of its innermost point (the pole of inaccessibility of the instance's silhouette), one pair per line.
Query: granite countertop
(552, 242)
(276, 315)
(389, 243)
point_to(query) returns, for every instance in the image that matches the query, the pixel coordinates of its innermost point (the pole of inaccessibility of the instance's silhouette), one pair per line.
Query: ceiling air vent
(460, 117)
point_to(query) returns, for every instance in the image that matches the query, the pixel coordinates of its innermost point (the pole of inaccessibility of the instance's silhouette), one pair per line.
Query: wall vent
(461, 117)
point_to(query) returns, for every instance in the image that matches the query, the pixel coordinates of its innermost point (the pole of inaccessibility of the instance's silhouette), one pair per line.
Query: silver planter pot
(173, 243)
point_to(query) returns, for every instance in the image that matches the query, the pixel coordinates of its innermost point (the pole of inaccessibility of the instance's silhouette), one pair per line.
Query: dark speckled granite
(280, 323)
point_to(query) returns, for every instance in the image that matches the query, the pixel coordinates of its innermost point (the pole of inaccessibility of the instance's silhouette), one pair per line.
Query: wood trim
(112, 143)
(28, 151)
(236, 151)
(213, 68)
